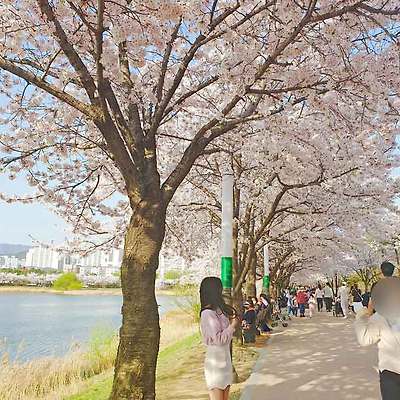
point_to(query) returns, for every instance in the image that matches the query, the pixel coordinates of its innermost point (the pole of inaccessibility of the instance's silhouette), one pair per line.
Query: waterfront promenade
(315, 359)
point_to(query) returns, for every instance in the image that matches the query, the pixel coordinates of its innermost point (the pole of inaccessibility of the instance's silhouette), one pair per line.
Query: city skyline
(99, 262)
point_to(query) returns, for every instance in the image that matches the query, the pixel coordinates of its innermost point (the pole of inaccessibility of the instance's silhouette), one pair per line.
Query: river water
(35, 325)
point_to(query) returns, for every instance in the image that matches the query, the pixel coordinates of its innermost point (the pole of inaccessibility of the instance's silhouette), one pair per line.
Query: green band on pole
(226, 272)
(266, 282)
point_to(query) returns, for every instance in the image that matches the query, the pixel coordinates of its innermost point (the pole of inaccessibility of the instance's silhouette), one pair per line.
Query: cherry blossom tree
(299, 186)
(110, 103)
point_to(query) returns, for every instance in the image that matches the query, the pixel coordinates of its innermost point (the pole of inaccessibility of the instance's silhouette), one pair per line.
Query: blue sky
(20, 221)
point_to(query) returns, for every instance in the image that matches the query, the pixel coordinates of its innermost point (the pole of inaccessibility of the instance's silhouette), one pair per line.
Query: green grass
(188, 301)
(178, 347)
(98, 391)
(173, 275)
(101, 387)
(179, 373)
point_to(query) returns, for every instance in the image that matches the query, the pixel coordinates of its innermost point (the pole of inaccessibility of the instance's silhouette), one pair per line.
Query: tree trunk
(135, 366)
(251, 289)
(236, 291)
(237, 304)
(273, 288)
(237, 337)
(335, 285)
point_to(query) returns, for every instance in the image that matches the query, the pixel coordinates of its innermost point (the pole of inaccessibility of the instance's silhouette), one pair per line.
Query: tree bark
(135, 366)
(236, 291)
(272, 289)
(251, 290)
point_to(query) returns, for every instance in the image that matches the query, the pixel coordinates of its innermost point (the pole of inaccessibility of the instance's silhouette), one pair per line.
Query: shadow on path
(315, 359)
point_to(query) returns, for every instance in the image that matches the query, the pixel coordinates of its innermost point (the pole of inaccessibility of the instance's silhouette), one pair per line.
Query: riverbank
(54, 378)
(173, 377)
(81, 292)
(87, 373)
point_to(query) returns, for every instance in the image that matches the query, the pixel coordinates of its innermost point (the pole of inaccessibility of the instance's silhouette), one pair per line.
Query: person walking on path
(292, 305)
(218, 322)
(343, 294)
(374, 328)
(302, 301)
(314, 359)
(365, 298)
(356, 298)
(328, 297)
(319, 294)
(311, 305)
(387, 269)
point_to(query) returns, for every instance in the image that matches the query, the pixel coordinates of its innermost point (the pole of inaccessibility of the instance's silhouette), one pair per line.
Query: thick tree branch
(69, 51)
(165, 61)
(93, 112)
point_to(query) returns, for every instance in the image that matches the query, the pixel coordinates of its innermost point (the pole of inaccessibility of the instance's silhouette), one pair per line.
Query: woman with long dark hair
(218, 322)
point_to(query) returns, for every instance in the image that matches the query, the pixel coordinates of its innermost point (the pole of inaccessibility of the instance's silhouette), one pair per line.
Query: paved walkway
(315, 359)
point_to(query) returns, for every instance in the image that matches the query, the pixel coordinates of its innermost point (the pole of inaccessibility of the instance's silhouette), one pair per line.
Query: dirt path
(315, 359)
(184, 380)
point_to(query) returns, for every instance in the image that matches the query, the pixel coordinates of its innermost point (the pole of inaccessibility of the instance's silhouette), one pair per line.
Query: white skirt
(218, 367)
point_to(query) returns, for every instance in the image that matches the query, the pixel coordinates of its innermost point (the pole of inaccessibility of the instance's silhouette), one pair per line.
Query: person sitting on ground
(249, 323)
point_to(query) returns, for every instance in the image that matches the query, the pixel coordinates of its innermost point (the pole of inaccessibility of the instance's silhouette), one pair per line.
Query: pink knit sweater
(215, 328)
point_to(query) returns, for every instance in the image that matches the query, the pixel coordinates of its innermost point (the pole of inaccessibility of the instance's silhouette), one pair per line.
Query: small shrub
(188, 301)
(102, 348)
(117, 274)
(67, 281)
(172, 275)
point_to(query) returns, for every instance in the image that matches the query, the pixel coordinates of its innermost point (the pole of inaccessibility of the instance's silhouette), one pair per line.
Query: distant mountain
(18, 250)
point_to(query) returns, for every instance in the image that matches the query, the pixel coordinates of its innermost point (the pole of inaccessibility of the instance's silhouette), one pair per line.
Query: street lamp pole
(227, 236)
(227, 246)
